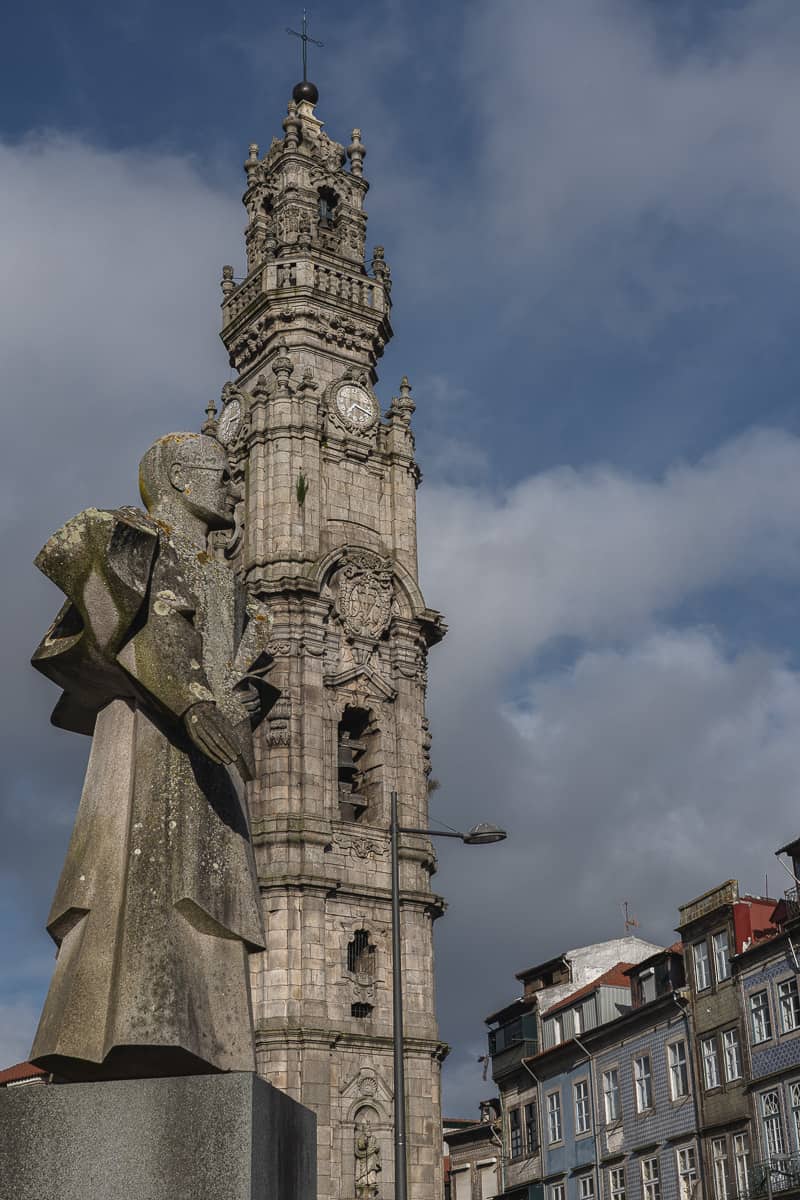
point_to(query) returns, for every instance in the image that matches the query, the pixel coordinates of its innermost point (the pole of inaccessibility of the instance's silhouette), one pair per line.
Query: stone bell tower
(326, 540)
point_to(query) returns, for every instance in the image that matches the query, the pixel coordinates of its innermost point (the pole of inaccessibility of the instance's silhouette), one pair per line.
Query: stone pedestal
(197, 1137)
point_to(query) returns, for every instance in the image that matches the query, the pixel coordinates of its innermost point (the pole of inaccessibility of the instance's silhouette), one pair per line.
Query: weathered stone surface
(328, 540)
(157, 907)
(221, 1137)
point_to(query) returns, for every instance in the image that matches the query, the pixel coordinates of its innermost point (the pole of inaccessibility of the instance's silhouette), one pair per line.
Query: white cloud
(593, 553)
(658, 761)
(620, 149)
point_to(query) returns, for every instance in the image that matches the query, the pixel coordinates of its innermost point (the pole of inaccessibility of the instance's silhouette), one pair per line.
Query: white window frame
(722, 962)
(678, 1069)
(772, 1123)
(651, 1179)
(702, 979)
(719, 1167)
(554, 1118)
(583, 1192)
(464, 1171)
(793, 1089)
(582, 1106)
(612, 1118)
(617, 1191)
(731, 1054)
(643, 1083)
(709, 1054)
(787, 989)
(741, 1162)
(556, 1191)
(686, 1163)
(760, 1017)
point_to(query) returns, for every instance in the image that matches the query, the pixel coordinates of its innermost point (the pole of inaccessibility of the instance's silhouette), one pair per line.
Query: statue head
(186, 475)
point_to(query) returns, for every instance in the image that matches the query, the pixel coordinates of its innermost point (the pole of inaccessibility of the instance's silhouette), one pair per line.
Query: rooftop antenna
(630, 920)
(305, 38)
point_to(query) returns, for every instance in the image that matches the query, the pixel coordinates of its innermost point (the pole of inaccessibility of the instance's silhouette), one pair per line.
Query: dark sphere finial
(305, 91)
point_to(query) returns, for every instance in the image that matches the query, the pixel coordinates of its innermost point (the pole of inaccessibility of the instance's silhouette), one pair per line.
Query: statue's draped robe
(157, 907)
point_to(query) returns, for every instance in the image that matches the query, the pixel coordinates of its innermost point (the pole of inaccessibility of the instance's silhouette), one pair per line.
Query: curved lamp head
(481, 835)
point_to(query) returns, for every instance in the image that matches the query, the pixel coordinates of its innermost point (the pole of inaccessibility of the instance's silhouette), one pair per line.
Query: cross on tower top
(305, 38)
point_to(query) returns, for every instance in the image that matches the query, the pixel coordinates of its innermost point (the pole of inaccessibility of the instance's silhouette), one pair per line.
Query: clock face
(356, 406)
(228, 425)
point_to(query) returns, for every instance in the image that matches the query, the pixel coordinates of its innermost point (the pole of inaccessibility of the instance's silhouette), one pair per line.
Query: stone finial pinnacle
(403, 407)
(356, 152)
(227, 282)
(291, 126)
(209, 426)
(251, 163)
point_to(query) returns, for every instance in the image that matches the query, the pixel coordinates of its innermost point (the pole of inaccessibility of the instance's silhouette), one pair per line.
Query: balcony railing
(792, 902)
(777, 1175)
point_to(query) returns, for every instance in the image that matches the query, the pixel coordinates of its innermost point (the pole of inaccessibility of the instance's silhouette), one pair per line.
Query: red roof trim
(21, 1071)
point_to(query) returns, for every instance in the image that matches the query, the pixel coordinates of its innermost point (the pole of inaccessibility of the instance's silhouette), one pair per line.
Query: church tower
(326, 542)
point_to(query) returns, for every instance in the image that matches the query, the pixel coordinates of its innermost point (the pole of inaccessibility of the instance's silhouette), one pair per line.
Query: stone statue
(157, 907)
(368, 1162)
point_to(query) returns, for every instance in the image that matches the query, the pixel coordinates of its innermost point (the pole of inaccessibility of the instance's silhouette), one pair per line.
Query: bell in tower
(326, 544)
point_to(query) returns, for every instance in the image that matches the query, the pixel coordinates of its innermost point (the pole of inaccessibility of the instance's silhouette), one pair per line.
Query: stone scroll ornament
(163, 663)
(365, 592)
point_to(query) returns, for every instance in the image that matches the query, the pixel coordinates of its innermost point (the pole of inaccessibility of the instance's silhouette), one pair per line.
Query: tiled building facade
(674, 1075)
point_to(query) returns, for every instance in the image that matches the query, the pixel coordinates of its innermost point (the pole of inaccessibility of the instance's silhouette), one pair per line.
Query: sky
(591, 209)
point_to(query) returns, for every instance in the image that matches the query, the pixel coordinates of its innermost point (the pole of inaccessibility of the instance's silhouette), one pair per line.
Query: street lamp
(479, 835)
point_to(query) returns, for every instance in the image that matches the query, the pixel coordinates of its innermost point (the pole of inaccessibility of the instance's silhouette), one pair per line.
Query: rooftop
(616, 976)
(21, 1073)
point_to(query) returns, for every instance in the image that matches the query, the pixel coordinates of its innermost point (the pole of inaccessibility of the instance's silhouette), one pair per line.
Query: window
(644, 1084)
(616, 1183)
(794, 1100)
(702, 974)
(759, 1017)
(514, 1133)
(556, 1191)
(327, 206)
(719, 1161)
(741, 1161)
(576, 1022)
(487, 1177)
(554, 1118)
(789, 1004)
(722, 964)
(651, 1179)
(678, 1070)
(462, 1181)
(586, 1187)
(708, 1048)
(773, 1128)
(687, 1172)
(611, 1095)
(647, 985)
(531, 1130)
(732, 1055)
(582, 1118)
(558, 1030)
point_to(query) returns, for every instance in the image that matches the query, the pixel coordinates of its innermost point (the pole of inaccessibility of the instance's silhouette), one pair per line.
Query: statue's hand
(211, 732)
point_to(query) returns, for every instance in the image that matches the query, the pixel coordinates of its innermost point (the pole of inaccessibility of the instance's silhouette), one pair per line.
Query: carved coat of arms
(365, 592)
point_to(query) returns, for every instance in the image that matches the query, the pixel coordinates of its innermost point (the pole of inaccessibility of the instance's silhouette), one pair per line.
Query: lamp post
(479, 835)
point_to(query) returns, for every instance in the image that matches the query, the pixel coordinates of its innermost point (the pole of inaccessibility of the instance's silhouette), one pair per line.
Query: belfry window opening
(327, 208)
(358, 765)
